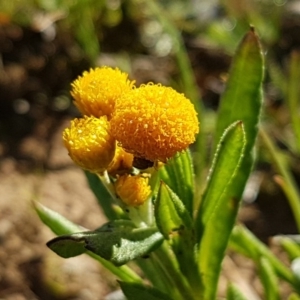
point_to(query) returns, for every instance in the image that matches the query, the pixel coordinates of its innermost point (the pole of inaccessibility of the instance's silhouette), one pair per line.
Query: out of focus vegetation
(45, 44)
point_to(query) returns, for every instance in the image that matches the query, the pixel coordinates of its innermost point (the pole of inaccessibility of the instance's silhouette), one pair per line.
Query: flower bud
(96, 91)
(89, 143)
(133, 190)
(154, 122)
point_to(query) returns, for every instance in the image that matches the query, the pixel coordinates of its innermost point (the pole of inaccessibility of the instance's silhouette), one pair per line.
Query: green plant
(178, 240)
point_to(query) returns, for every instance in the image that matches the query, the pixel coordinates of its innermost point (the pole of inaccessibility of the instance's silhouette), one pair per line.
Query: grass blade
(287, 181)
(244, 242)
(293, 92)
(268, 279)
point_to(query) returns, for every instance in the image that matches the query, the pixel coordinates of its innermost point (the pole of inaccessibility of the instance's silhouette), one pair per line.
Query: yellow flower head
(89, 143)
(154, 122)
(121, 163)
(96, 91)
(133, 190)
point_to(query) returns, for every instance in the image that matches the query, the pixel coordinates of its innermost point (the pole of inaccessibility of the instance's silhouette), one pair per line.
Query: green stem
(290, 247)
(292, 94)
(289, 185)
(108, 185)
(164, 256)
(150, 270)
(124, 273)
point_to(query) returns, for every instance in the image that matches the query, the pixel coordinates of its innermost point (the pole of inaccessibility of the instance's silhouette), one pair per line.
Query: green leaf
(68, 246)
(287, 182)
(293, 92)
(56, 222)
(170, 213)
(268, 279)
(219, 207)
(135, 291)
(243, 241)
(233, 293)
(105, 200)
(291, 247)
(178, 175)
(118, 242)
(60, 225)
(176, 225)
(242, 100)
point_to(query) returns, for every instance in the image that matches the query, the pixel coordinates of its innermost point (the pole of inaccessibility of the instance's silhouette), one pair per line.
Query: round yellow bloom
(121, 163)
(96, 91)
(89, 143)
(154, 122)
(133, 190)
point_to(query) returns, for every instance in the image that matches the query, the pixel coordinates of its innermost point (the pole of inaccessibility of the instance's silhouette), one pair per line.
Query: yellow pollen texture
(89, 143)
(96, 91)
(133, 190)
(154, 122)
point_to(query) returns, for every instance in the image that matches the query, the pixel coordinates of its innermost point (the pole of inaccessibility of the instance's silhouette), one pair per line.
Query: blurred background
(186, 44)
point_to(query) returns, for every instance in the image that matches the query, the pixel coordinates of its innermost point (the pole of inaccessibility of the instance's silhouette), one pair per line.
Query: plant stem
(150, 270)
(171, 270)
(292, 95)
(288, 185)
(124, 273)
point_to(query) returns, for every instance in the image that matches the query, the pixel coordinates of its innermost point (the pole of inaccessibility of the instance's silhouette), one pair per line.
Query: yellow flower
(154, 122)
(89, 143)
(96, 91)
(133, 190)
(121, 163)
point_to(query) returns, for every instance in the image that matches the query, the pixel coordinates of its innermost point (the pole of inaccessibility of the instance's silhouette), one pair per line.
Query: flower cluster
(123, 124)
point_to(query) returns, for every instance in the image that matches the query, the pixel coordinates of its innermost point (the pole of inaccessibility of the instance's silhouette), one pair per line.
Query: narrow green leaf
(242, 100)
(176, 225)
(244, 242)
(180, 285)
(293, 92)
(150, 270)
(268, 279)
(233, 293)
(287, 182)
(170, 213)
(219, 207)
(60, 225)
(178, 175)
(86, 33)
(118, 242)
(135, 291)
(289, 245)
(56, 222)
